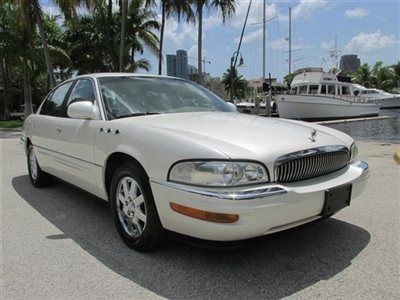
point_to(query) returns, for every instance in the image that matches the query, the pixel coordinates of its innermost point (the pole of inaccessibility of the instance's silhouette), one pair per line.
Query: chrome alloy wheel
(33, 165)
(131, 207)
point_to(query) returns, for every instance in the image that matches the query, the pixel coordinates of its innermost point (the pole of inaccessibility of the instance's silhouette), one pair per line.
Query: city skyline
(368, 29)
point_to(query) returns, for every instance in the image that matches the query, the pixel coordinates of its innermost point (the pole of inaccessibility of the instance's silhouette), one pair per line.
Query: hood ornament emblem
(313, 135)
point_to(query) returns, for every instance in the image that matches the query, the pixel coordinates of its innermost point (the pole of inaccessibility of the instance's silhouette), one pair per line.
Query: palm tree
(239, 84)
(39, 21)
(363, 76)
(227, 8)
(141, 28)
(396, 73)
(124, 12)
(170, 8)
(383, 77)
(32, 7)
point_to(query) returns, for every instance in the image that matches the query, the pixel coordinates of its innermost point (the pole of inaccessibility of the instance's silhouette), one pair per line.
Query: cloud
(306, 8)
(255, 15)
(365, 42)
(179, 34)
(282, 44)
(328, 45)
(356, 13)
(252, 36)
(192, 54)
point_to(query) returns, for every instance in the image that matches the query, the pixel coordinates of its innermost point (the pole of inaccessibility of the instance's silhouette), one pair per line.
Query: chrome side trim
(243, 194)
(363, 165)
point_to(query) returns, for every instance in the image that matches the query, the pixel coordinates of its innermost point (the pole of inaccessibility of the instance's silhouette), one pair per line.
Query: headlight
(353, 152)
(218, 173)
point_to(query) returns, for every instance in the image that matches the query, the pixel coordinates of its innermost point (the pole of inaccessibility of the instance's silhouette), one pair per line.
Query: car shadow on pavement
(269, 268)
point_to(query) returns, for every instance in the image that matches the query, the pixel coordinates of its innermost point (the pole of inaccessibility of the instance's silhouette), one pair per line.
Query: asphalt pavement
(60, 243)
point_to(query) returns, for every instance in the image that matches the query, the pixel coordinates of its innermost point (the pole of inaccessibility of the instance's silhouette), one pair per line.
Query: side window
(302, 89)
(313, 89)
(323, 89)
(53, 105)
(345, 90)
(82, 91)
(331, 89)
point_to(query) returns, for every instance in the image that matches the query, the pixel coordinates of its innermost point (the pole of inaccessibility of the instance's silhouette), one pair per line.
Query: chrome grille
(311, 163)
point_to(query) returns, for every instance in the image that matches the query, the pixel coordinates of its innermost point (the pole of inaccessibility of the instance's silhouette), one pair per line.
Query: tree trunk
(124, 9)
(6, 108)
(109, 21)
(49, 64)
(27, 91)
(200, 42)
(160, 55)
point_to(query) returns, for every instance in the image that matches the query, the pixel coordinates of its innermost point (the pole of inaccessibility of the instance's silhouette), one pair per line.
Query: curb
(397, 156)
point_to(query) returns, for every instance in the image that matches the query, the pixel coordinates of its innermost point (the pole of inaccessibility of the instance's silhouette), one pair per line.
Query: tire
(38, 177)
(135, 216)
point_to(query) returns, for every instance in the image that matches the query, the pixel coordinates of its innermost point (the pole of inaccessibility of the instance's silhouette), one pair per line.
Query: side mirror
(232, 105)
(83, 110)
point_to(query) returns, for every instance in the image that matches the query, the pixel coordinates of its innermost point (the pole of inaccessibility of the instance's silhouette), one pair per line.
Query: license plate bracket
(336, 199)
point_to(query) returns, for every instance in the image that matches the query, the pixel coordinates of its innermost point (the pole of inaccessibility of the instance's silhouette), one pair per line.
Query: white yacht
(384, 99)
(318, 95)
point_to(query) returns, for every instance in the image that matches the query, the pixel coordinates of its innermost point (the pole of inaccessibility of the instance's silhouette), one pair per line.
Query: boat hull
(392, 102)
(308, 107)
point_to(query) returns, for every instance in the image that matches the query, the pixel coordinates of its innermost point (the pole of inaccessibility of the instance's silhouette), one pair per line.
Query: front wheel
(38, 177)
(133, 209)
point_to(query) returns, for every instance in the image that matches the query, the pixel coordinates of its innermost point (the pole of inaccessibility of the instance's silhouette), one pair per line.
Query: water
(387, 130)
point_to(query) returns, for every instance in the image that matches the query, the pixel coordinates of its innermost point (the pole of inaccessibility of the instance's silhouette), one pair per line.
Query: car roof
(115, 74)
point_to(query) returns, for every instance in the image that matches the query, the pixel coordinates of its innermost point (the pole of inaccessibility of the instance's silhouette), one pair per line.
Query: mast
(264, 25)
(290, 40)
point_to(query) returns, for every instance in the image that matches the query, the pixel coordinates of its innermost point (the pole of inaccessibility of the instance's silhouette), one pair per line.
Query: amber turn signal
(204, 215)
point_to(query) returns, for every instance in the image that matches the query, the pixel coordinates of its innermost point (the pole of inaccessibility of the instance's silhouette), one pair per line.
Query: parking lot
(60, 242)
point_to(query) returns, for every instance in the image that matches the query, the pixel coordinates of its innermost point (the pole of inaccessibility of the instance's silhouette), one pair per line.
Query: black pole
(232, 71)
(244, 27)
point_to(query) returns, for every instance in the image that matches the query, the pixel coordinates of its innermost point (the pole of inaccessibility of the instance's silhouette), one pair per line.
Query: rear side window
(52, 106)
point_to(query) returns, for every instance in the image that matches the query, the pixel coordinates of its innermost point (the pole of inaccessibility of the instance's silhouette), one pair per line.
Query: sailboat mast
(290, 40)
(264, 25)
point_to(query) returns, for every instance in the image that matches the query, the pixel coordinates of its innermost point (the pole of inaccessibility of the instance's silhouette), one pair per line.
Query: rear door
(44, 130)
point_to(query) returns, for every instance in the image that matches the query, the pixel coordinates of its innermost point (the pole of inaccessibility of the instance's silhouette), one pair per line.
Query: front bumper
(262, 209)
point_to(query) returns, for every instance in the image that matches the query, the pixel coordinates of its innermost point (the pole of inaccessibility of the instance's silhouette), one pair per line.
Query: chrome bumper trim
(243, 194)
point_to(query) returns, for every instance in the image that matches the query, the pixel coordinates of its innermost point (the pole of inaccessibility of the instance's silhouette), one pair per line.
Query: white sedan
(171, 156)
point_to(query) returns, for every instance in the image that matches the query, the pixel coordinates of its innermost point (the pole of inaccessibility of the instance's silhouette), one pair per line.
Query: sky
(370, 29)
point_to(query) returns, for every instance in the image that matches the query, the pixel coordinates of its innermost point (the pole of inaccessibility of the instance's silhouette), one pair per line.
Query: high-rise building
(182, 65)
(349, 64)
(171, 65)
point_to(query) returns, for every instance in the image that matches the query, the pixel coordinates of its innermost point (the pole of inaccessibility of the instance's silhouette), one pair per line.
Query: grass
(11, 124)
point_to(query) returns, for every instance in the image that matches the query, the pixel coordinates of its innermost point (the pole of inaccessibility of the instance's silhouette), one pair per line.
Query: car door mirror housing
(83, 110)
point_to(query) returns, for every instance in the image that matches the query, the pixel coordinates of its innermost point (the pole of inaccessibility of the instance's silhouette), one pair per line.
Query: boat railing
(348, 98)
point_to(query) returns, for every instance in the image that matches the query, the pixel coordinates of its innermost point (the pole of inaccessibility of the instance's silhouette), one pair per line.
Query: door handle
(58, 129)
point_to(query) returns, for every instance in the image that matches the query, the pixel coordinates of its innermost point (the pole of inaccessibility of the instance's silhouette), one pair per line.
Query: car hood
(241, 136)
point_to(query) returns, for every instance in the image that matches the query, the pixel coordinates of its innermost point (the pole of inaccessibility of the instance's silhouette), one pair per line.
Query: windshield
(130, 96)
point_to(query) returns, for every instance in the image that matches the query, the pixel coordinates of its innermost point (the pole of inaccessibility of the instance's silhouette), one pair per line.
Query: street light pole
(233, 70)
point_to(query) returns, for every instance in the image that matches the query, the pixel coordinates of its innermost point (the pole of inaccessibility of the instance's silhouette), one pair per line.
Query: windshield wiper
(138, 114)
